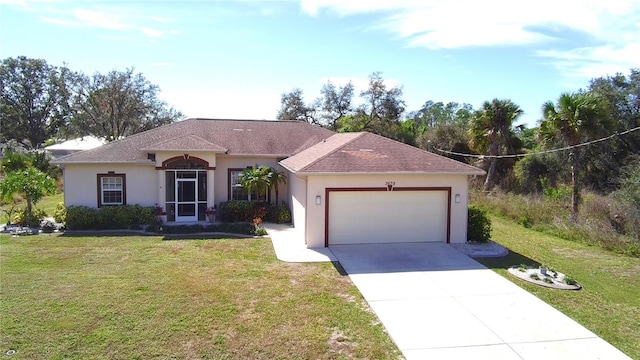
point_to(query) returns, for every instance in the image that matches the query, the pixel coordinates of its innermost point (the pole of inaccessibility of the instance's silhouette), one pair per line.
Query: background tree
(34, 100)
(334, 104)
(119, 104)
(603, 163)
(381, 111)
(293, 108)
(575, 118)
(491, 132)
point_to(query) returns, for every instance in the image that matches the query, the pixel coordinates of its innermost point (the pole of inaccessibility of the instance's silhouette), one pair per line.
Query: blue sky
(234, 59)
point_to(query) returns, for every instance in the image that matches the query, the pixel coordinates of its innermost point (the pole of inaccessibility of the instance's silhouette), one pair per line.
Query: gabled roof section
(185, 143)
(236, 137)
(369, 153)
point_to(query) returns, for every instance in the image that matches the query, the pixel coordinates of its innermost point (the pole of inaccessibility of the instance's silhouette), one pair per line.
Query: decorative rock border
(548, 278)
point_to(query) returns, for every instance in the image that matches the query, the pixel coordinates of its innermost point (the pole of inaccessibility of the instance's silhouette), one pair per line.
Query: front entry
(187, 204)
(186, 194)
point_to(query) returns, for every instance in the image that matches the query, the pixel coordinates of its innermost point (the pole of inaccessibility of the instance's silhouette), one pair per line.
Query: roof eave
(139, 162)
(309, 173)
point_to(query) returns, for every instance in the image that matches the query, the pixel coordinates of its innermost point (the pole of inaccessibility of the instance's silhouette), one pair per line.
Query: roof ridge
(358, 135)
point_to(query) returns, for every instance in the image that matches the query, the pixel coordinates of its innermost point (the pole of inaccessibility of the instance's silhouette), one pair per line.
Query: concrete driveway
(437, 303)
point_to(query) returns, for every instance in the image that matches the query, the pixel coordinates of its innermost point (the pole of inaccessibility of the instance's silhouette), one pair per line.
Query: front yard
(608, 304)
(142, 297)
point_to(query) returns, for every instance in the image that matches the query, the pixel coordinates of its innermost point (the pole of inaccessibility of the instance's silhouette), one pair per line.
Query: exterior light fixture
(318, 200)
(457, 198)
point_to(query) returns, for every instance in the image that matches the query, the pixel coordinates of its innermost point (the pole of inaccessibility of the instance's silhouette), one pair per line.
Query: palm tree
(276, 178)
(256, 178)
(491, 132)
(573, 119)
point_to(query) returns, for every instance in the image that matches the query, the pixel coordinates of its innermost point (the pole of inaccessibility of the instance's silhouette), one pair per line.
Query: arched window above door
(186, 162)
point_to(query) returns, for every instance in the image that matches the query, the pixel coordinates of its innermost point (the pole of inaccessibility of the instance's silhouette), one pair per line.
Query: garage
(361, 216)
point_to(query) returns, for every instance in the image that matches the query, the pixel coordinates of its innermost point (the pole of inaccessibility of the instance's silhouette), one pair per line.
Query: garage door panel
(387, 217)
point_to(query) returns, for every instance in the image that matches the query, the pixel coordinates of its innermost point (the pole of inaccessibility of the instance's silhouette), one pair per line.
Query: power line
(540, 152)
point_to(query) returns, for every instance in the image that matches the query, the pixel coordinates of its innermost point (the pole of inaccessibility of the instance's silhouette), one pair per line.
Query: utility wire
(540, 152)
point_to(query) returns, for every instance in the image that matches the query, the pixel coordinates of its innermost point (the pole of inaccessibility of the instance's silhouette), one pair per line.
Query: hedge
(109, 217)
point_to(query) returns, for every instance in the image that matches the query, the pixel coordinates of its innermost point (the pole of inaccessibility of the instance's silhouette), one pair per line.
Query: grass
(142, 297)
(608, 304)
(48, 204)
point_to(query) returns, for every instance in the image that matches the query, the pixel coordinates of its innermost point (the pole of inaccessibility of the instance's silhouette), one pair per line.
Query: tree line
(40, 102)
(516, 158)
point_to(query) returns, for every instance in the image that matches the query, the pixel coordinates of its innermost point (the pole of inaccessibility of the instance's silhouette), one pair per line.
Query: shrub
(278, 214)
(234, 211)
(32, 219)
(261, 231)
(109, 217)
(478, 225)
(82, 218)
(60, 213)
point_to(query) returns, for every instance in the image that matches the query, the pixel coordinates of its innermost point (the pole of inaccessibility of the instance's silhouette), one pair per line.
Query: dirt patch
(340, 344)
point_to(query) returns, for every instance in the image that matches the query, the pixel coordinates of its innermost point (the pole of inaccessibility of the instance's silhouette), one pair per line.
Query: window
(111, 189)
(236, 191)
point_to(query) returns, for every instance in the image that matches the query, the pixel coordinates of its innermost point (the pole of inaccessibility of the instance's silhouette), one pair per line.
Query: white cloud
(116, 19)
(609, 30)
(151, 32)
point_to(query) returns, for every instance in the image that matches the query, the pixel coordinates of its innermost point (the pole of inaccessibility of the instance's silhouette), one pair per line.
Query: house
(342, 188)
(74, 145)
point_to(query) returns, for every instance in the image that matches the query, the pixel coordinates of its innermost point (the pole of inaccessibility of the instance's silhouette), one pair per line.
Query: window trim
(229, 177)
(112, 174)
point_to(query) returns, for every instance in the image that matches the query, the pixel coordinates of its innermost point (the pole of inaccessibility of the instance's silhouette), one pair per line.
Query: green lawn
(142, 297)
(609, 303)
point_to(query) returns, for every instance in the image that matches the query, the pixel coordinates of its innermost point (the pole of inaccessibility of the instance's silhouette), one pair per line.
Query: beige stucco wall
(81, 183)
(297, 202)
(145, 184)
(316, 185)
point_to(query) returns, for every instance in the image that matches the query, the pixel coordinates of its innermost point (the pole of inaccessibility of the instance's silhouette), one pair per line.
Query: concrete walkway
(437, 303)
(290, 247)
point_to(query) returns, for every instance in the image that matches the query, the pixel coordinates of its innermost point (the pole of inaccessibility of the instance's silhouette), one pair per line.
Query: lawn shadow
(513, 258)
(105, 233)
(339, 268)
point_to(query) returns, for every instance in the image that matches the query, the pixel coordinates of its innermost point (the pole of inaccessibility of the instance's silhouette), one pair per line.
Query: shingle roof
(369, 153)
(237, 137)
(185, 143)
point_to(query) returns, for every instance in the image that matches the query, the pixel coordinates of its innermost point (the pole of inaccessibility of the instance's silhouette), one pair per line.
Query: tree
(573, 119)
(276, 178)
(491, 131)
(293, 108)
(381, 112)
(31, 183)
(604, 162)
(119, 104)
(34, 100)
(256, 179)
(335, 104)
